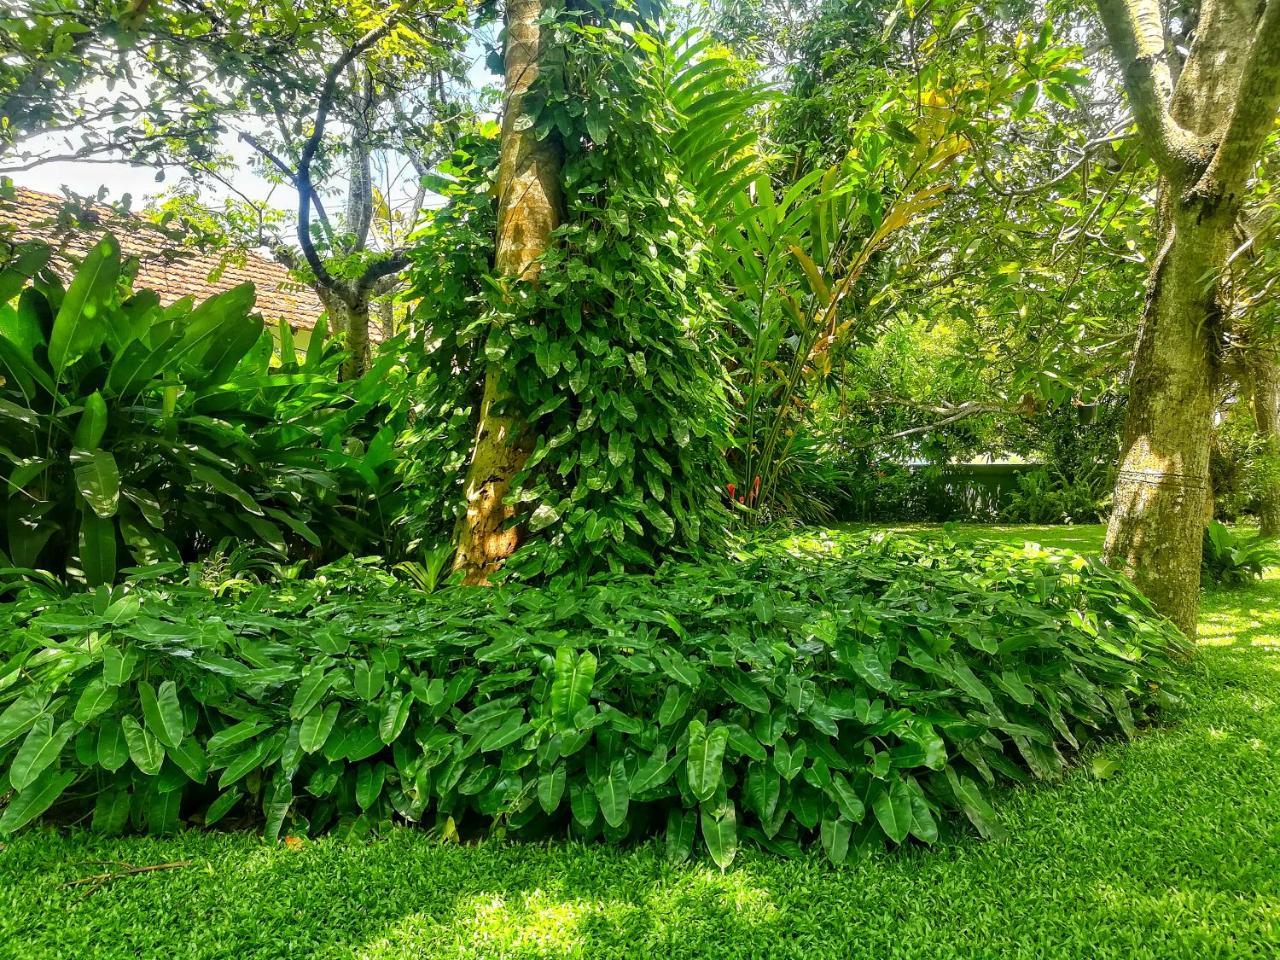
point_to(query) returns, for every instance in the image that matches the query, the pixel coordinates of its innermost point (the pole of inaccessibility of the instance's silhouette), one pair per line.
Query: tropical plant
(833, 689)
(140, 433)
(1230, 559)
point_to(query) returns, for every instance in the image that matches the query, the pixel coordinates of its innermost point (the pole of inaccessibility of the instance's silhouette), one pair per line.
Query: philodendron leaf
(614, 794)
(39, 750)
(92, 425)
(551, 788)
(892, 807)
(682, 825)
(98, 480)
(835, 839)
(113, 748)
(162, 711)
(316, 727)
(35, 800)
(97, 548)
(20, 715)
(720, 831)
(706, 758)
(571, 687)
(98, 697)
(145, 751)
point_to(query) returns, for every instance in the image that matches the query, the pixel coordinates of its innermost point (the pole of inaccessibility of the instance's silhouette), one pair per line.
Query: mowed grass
(1176, 854)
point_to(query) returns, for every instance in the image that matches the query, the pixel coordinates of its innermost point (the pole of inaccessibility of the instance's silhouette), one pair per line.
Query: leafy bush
(1049, 496)
(147, 433)
(1229, 559)
(852, 691)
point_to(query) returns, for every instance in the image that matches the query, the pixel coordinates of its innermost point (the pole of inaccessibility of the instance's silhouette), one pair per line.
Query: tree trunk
(1204, 133)
(354, 320)
(1264, 389)
(528, 211)
(1162, 485)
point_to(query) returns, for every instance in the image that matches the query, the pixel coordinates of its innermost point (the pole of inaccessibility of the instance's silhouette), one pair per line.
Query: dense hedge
(852, 691)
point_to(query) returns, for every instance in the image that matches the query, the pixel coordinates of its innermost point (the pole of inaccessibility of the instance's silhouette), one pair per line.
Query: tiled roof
(168, 268)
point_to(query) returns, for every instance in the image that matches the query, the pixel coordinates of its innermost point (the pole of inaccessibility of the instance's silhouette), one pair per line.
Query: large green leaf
(551, 788)
(82, 321)
(97, 548)
(614, 793)
(39, 750)
(98, 480)
(162, 711)
(720, 831)
(97, 697)
(571, 687)
(92, 426)
(706, 758)
(892, 807)
(113, 748)
(21, 714)
(145, 750)
(316, 727)
(682, 827)
(35, 800)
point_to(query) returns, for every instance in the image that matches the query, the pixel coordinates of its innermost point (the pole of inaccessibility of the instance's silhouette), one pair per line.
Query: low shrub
(1229, 559)
(852, 690)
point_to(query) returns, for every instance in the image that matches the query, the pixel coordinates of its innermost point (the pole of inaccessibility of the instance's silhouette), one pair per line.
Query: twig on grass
(94, 882)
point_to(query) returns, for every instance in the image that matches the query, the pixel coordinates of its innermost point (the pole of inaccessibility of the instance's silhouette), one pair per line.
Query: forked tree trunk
(1204, 134)
(1264, 390)
(528, 212)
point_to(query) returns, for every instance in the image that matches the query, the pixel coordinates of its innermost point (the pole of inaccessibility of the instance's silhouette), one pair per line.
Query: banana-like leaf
(80, 325)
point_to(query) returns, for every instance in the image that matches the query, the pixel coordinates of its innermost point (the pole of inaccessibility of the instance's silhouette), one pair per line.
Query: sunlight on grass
(541, 924)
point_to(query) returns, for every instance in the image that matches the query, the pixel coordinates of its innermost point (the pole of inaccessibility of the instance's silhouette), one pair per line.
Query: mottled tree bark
(528, 211)
(1204, 133)
(354, 319)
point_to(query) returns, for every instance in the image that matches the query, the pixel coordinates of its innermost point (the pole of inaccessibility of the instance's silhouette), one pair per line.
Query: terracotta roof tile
(170, 269)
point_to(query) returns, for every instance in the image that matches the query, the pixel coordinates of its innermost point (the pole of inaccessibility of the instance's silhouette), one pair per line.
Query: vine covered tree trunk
(1264, 389)
(528, 211)
(1204, 133)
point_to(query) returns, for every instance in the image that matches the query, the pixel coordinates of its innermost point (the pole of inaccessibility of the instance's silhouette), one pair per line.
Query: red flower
(731, 489)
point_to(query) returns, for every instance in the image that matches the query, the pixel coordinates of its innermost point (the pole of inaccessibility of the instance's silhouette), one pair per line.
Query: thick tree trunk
(1162, 486)
(528, 211)
(1264, 389)
(1204, 131)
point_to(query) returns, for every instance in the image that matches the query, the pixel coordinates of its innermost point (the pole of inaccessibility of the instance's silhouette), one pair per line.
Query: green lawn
(1177, 854)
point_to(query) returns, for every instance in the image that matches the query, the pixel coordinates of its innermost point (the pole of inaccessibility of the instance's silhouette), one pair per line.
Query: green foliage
(137, 433)
(853, 691)
(613, 355)
(1231, 559)
(1045, 496)
(1110, 869)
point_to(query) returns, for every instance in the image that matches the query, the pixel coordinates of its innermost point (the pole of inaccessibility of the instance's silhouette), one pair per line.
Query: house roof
(165, 266)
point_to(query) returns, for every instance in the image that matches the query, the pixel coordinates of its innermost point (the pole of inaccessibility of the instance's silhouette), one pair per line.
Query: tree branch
(1255, 109)
(1135, 29)
(306, 192)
